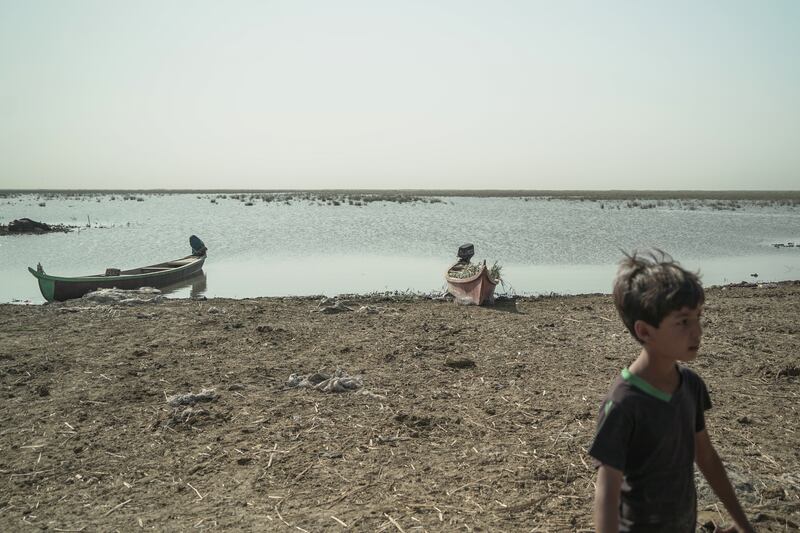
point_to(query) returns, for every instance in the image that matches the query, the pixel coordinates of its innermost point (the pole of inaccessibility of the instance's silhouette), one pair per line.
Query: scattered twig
(559, 435)
(115, 455)
(348, 493)
(281, 518)
(33, 473)
(791, 396)
(343, 524)
(476, 482)
(116, 507)
(394, 523)
(298, 476)
(195, 490)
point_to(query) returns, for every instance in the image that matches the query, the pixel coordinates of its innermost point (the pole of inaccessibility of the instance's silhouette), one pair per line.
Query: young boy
(651, 427)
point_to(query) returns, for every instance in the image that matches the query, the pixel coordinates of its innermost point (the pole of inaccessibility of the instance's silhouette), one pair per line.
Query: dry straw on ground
(87, 444)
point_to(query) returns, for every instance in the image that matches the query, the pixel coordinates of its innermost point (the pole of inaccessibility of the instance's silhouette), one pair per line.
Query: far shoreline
(612, 194)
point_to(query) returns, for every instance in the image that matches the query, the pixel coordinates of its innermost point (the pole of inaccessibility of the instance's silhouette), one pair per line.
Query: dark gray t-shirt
(649, 435)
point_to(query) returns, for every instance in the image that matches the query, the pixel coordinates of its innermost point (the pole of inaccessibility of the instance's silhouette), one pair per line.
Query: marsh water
(284, 244)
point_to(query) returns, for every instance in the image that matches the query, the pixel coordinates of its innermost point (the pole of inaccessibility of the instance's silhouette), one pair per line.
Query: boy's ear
(643, 330)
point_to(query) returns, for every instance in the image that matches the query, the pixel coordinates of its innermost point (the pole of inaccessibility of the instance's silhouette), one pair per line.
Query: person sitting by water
(465, 253)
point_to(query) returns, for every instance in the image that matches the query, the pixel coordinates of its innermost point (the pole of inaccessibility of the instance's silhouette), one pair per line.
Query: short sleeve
(614, 429)
(702, 404)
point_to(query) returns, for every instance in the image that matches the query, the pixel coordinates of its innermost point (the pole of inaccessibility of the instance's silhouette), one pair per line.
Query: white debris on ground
(186, 415)
(372, 310)
(205, 395)
(338, 307)
(120, 296)
(332, 305)
(185, 409)
(340, 381)
(371, 394)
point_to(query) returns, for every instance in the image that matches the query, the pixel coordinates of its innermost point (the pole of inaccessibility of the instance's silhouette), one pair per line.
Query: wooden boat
(57, 288)
(475, 290)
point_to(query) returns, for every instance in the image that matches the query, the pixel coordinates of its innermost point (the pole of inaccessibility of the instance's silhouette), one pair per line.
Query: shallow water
(305, 247)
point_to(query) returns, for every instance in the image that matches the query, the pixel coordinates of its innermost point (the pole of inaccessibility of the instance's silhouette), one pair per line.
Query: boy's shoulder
(620, 388)
(621, 394)
(627, 390)
(693, 385)
(689, 374)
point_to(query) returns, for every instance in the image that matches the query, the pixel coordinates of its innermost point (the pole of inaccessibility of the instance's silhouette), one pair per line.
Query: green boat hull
(57, 288)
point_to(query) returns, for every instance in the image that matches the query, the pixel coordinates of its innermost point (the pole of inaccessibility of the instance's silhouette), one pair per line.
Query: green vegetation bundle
(473, 268)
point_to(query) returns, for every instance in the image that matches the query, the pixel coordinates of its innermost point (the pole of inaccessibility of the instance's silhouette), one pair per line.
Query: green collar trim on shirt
(644, 386)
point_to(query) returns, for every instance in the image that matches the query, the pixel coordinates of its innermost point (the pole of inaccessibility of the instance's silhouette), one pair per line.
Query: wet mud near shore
(473, 419)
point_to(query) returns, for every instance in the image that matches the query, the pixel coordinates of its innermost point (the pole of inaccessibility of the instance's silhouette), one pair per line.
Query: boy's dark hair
(651, 287)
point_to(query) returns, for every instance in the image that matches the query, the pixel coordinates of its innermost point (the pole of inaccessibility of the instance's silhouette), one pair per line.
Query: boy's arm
(606, 499)
(711, 466)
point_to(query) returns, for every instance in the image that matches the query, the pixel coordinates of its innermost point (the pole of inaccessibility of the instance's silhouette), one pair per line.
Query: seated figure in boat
(465, 253)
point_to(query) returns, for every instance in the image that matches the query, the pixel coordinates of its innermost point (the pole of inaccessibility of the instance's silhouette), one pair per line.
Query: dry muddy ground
(473, 419)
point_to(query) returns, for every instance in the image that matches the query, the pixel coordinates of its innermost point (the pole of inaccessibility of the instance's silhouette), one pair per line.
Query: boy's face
(678, 335)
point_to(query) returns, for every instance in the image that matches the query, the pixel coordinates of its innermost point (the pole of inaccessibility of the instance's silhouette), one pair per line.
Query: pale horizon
(357, 95)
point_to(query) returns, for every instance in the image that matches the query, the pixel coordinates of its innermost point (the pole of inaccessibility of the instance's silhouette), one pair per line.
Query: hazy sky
(403, 94)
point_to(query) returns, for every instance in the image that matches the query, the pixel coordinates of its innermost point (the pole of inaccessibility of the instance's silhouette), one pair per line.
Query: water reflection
(190, 287)
(316, 275)
(363, 274)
